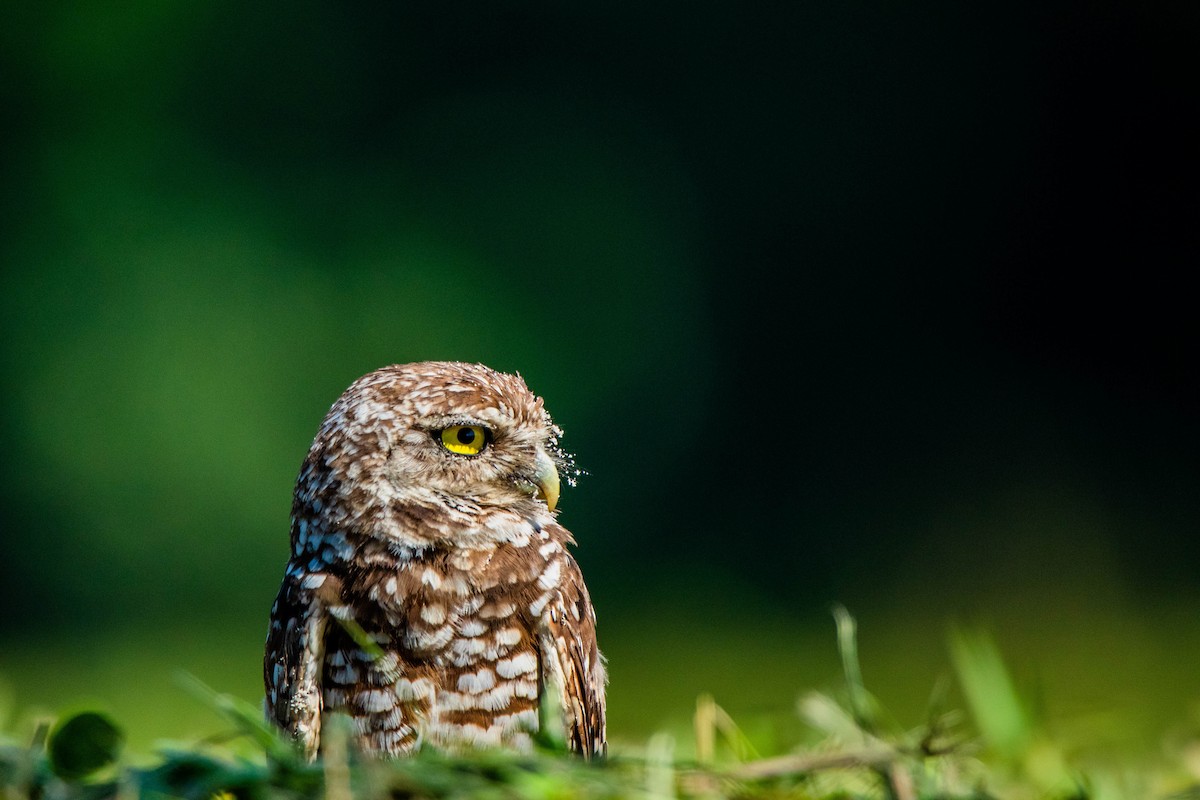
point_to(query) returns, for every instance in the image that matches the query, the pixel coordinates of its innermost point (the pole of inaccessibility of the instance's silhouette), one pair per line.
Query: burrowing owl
(430, 595)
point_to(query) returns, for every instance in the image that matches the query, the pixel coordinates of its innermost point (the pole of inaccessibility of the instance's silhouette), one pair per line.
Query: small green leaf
(83, 744)
(248, 719)
(990, 692)
(551, 733)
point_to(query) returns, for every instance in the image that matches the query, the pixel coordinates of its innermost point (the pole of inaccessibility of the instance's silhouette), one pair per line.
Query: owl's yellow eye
(465, 440)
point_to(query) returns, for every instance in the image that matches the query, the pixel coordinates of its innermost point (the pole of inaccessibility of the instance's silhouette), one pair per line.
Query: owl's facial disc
(487, 458)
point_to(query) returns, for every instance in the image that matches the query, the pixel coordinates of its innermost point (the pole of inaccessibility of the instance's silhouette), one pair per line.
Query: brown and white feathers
(430, 595)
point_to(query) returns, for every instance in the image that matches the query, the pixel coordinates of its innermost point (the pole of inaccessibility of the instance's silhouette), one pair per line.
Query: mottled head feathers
(378, 449)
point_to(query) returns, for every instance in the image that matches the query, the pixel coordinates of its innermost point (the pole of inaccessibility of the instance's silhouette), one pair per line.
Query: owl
(430, 596)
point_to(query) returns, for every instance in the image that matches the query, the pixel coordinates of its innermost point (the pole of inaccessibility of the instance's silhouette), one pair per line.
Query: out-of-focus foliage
(868, 303)
(83, 745)
(851, 751)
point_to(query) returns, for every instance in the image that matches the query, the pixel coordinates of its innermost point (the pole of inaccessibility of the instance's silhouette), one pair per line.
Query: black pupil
(466, 435)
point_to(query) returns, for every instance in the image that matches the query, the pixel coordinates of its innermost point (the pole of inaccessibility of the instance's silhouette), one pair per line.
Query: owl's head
(415, 450)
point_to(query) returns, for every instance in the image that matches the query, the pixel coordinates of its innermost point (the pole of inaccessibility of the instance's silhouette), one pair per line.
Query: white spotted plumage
(454, 566)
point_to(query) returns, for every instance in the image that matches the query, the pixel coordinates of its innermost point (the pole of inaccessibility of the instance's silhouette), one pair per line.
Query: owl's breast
(458, 632)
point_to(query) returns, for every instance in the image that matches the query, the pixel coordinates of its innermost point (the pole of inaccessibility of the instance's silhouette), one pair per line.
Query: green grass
(846, 746)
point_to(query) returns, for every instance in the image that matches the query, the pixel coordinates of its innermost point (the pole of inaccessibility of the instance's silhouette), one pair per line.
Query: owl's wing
(572, 665)
(295, 654)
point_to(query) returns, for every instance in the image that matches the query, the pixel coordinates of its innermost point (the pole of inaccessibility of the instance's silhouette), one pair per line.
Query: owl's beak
(547, 479)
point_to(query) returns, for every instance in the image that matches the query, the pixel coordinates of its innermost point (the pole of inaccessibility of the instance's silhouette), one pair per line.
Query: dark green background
(876, 303)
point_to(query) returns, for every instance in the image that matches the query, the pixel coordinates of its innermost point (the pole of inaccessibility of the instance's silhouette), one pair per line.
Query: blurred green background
(870, 303)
